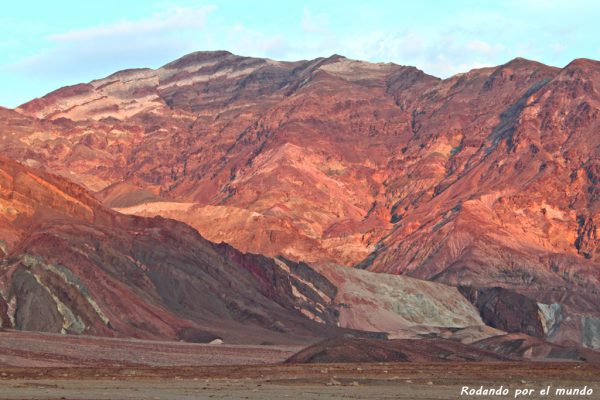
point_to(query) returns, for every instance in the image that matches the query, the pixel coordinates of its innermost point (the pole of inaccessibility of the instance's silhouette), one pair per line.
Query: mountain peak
(199, 57)
(520, 62)
(336, 56)
(583, 63)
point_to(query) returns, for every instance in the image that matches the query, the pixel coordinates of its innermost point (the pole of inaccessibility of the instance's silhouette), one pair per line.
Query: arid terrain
(51, 366)
(43, 350)
(486, 181)
(238, 227)
(323, 381)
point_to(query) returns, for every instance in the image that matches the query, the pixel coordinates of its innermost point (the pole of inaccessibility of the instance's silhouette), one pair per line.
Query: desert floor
(331, 381)
(46, 366)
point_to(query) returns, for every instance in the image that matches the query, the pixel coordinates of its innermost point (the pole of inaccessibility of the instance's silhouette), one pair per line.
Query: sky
(45, 45)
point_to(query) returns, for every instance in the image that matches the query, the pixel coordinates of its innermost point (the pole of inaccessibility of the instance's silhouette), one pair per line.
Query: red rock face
(319, 160)
(484, 179)
(73, 266)
(70, 265)
(299, 150)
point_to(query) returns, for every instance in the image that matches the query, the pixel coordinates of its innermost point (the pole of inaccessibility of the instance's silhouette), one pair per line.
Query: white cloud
(437, 54)
(174, 19)
(89, 53)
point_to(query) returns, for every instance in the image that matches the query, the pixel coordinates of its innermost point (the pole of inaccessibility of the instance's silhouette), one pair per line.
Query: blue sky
(45, 45)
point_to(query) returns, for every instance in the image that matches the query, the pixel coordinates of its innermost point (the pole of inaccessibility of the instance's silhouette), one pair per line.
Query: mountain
(70, 265)
(487, 180)
(234, 136)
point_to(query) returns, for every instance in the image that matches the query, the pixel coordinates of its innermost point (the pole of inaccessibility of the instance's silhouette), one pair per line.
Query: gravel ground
(324, 381)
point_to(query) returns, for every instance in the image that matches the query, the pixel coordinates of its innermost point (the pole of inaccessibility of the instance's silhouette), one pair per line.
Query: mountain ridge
(209, 54)
(488, 178)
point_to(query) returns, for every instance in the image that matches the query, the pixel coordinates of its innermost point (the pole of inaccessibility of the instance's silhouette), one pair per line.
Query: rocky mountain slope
(70, 265)
(485, 179)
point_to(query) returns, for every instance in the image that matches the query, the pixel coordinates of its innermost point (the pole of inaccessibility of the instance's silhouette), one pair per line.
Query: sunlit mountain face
(341, 177)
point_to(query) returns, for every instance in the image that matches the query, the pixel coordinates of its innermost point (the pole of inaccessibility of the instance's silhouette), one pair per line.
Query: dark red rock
(520, 345)
(354, 350)
(506, 310)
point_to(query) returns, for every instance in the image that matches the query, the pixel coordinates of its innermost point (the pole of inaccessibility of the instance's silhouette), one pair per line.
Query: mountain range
(252, 200)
